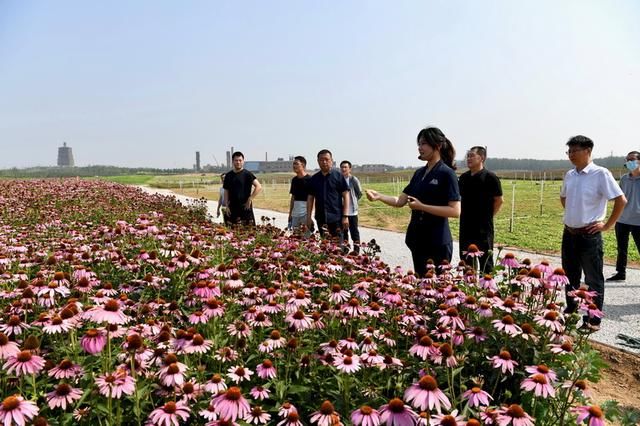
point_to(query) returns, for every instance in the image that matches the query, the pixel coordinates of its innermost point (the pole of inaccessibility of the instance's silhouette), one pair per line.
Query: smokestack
(197, 161)
(228, 159)
(266, 157)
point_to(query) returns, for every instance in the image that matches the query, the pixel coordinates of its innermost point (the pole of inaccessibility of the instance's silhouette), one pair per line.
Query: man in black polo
(329, 193)
(238, 195)
(481, 194)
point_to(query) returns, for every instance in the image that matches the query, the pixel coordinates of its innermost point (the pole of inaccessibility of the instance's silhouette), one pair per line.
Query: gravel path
(622, 299)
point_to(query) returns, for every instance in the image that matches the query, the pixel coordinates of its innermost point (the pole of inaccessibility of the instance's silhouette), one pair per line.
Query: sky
(147, 83)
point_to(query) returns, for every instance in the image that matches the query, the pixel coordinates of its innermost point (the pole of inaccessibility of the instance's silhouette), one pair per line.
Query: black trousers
(355, 234)
(622, 239)
(485, 262)
(583, 253)
(421, 254)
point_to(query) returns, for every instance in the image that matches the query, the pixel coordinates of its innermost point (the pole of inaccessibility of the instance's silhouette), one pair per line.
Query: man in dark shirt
(481, 194)
(330, 194)
(299, 191)
(238, 196)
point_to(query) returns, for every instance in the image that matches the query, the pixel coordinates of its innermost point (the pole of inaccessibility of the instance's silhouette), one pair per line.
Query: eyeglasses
(574, 150)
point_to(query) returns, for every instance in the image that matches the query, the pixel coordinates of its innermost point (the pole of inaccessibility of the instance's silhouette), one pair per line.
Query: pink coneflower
(452, 318)
(116, 384)
(257, 416)
(592, 310)
(395, 413)
(13, 326)
(213, 308)
(24, 363)
(276, 341)
(170, 414)
(215, 385)
(503, 361)
(63, 395)
(539, 385)
(190, 391)
(551, 320)
(172, 374)
(472, 251)
(478, 334)
(93, 342)
(390, 362)
(487, 282)
(239, 374)
(452, 419)
(260, 320)
(292, 419)
(347, 364)
(565, 347)
(198, 345)
(514, 415)
(266, 370)
(15, 409)
(542, 369)
(7, 347)
(109, 312)
(299, 320)
(558, 277)
(57, 325)
(508, 325)
(66, 370)
(477, 397)
(425, 394)
(259, 393)
(198, 317)
(239, 329)
(231, 405)
(326, 415)
(510, 261)
(226, 354)
(287, 408)
(592, 415)
(365, 416)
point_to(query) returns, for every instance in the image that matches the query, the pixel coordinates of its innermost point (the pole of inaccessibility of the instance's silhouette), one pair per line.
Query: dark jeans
(241, 216)
(355, 234)
(485, 262)
(420, 256)
(334, 229)
(622, 239)
(583, 253)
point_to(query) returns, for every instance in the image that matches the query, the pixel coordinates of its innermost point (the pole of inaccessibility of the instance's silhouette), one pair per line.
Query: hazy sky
(147, 83)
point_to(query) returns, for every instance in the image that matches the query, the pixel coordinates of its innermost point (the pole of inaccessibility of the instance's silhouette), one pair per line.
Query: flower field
(119, 307)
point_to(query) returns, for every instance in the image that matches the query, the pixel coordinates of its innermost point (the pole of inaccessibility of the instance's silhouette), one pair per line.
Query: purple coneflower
(426, 394)
(257, 416)
(116, 384)
(109, 312)
(508, 325)
(239, 374)
(266, 370)
(396, 413)
(452, 419)
(24, 363)
(365, 416)
(510, 261)
(539, 385)
(477, 397)
(198, 345)
(170, 414)
(93, 342)
(514, 415)
(259, 393)
(172, 374)
(231, 405)
(215, 385)
(592, 415)
(503, 361)
(15, 409)
(63, 395)
(292, 419)
(299, 320)
(542, 369)
(66, 370)
(347, 364)
(13, 326)
(326, 415)
(7, 347)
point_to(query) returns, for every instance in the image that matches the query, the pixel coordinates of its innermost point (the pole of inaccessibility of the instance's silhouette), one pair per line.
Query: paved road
(622, 299)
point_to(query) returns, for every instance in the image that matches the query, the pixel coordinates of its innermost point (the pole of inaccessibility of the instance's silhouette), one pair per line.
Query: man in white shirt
(585, 192)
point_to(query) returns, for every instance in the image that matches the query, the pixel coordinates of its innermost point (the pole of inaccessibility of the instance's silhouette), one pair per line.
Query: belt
(577, 231)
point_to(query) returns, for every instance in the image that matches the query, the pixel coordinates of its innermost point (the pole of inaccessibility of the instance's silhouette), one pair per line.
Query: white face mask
(631, 165)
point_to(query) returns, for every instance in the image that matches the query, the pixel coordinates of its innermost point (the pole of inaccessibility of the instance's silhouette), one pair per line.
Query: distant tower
(197, 161)
(228, 159)
(65, 156)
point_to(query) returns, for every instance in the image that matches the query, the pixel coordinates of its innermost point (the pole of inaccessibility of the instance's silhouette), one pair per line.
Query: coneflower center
(428, 383)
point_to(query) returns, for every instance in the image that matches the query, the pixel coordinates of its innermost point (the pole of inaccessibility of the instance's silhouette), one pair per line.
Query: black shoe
(617, 277)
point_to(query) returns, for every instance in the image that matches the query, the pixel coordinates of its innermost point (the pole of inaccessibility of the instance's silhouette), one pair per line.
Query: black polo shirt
(436, 188)
(478, 192)
(239, 184)
(328, 191)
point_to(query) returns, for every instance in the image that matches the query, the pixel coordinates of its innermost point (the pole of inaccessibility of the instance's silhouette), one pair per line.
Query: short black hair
(301, 159)
(581, 141)
(237, 154)
(636, 153)
(323, 152)
(346, 162)
(480, 150)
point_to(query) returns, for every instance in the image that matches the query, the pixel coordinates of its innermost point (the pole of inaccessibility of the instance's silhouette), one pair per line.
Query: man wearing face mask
(629, 221)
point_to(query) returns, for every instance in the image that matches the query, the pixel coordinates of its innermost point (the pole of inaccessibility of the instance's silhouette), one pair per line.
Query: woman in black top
(433, 196)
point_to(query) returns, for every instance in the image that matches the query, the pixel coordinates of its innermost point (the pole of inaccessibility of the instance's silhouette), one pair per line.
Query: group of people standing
(435, 194)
